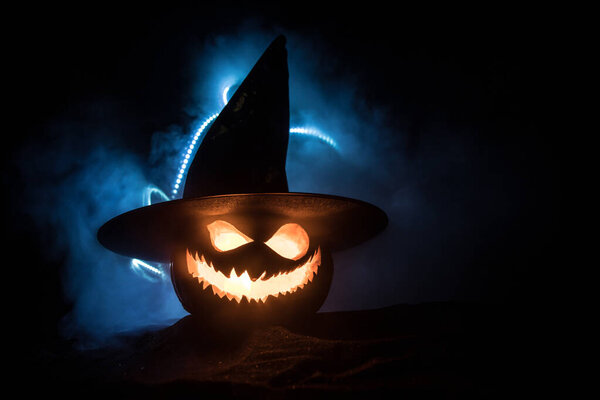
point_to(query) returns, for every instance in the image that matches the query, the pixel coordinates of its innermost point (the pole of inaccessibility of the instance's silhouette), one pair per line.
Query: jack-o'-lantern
(242, 246)
(242, 273)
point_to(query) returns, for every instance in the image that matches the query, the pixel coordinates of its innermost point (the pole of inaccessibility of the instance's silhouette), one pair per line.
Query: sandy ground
(436, 350)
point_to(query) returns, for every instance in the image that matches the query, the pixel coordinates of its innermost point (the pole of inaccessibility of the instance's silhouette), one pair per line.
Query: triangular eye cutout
(290, 241)
(225, 237)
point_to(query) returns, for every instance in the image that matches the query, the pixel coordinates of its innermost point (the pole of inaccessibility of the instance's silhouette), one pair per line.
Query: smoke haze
(450, 195)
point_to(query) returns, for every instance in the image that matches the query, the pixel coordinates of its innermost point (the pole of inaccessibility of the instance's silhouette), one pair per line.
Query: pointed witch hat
(239, 168)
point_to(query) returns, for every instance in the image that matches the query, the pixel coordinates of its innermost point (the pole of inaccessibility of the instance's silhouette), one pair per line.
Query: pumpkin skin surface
(235, 279)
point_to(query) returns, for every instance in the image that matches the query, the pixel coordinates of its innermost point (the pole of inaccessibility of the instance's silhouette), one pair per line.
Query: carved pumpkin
(229, 273)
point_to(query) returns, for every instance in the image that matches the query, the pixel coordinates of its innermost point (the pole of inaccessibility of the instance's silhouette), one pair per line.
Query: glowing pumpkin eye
(290, 241)
(225, 237)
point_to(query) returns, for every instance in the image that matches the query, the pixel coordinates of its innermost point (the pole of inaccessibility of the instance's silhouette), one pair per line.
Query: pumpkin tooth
(208, 275)
(191, 263)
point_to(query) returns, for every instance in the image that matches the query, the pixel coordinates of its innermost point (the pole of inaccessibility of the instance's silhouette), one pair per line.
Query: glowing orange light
(225, 237)
(290, 241)
(235, 287)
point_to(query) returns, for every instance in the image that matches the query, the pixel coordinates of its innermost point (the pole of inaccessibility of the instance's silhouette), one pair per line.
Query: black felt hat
(239, 169)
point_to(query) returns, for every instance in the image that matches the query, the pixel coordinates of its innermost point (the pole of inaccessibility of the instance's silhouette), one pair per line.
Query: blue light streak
(145, 270)
(188, 153)
(225, 100)
(153, 190)
(316, 134)
(142, 268)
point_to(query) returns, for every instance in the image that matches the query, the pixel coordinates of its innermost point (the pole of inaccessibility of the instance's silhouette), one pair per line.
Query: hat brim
(153, 232)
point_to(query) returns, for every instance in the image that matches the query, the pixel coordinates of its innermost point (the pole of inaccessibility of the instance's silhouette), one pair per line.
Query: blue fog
(93, 177)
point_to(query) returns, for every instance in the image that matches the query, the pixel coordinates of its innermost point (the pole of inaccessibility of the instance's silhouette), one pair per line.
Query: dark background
(482, 74)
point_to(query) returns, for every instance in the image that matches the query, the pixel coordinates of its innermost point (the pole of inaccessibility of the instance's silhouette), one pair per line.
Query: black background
(486, 69)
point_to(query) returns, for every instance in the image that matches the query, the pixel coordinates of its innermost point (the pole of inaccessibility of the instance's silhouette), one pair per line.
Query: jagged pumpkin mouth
(236, 287)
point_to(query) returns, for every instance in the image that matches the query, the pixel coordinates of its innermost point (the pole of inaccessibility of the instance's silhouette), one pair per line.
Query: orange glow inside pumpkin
(235, 287)
(225, 237)
(290, 241)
